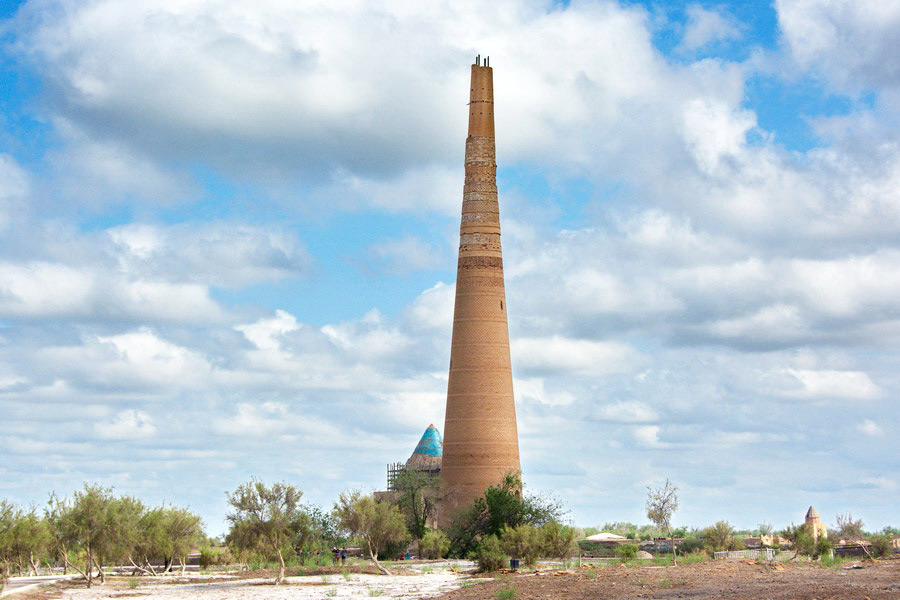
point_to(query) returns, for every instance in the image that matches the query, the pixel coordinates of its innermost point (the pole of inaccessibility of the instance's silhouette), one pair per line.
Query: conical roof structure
(428, 452)
(811, 513)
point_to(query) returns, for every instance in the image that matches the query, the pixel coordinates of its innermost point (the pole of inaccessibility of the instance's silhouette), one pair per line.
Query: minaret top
(481, 99)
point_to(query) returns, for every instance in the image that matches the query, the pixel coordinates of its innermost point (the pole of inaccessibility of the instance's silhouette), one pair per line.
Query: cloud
(870, 428)
(851, 385)
(126, 425)
(850, 43)
(404, 255)
(706, 26)
(626, 412)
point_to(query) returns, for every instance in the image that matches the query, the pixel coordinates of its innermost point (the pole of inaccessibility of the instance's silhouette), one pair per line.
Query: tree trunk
(672, 541)
(135, 565)
(181, 560)
(280, 568)
(89, 568)
(100, 572)
(374, 556)
(33, 566)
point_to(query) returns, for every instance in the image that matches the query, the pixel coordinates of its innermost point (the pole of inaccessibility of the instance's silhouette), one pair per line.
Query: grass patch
(133, 583)
(427, 570)
(375, 592)
(345, 574)
(507, 592)
(331, 592)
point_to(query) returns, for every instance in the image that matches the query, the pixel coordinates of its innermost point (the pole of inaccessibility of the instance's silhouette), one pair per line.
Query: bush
(211, 556)
(689, 546)
(882, 545)
(435, 544)
(627, 552)
(489, 556)
(557, 540)
(823, 547)
(521, 542)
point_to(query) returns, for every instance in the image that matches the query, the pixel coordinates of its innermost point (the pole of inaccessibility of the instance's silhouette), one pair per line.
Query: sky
(228, 237)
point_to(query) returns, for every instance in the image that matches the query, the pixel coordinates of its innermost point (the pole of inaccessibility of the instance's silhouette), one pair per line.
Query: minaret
(481, 442)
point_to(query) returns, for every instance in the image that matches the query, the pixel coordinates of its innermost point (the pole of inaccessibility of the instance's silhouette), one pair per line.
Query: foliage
(266, 519)
(507, 592)
(661, 505)
(378, 524)
(627, 551)
(557, 540)
(882, 545)
(489, 555)
(417, 496)
(522, 542)
(804, 542)
(499, 507)
(690, 546)
(435, 544)
(211, 556)
(719, 536)
(849, 528)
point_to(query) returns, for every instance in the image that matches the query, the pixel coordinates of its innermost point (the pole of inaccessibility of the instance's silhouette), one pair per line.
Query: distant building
(816, 527)
(427, 457)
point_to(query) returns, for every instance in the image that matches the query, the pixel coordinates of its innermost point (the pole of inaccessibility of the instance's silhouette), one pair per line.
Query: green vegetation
(434, 544)
(627, 552)
(489, 555)
(507, 592)
(377, 524)
(267, 520)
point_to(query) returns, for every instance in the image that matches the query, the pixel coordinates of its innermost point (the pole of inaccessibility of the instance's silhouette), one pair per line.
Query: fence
(767, 553)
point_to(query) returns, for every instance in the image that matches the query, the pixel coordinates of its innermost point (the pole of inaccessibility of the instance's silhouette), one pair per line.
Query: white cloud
(626, 412)
(577, 357)
(647, 435)
(852, 43)
(870, 428)
(851, 385)
(126, 425)
(706, 26)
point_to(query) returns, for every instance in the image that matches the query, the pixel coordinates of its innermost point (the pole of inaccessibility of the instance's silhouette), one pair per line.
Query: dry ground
(731, 580)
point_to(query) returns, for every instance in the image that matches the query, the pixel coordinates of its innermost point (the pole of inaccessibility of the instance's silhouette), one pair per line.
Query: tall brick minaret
(481, 442)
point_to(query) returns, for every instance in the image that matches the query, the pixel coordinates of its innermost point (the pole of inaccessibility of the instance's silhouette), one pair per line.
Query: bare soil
(731, 579)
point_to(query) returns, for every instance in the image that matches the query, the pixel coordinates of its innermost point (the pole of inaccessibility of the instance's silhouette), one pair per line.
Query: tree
(435, 544)
(719, 537)
(86, 522)
(804, 541)
(557, 540)
(521, 542)
(378, 524)
(499, 507)
(417, 494)
(183, 532)
(661, 505)
(849, 528)
(266, 518)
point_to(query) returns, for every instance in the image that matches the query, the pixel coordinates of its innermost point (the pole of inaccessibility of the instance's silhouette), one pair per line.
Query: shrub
(689, 546)
(210, 556)
(521, 542)
(557, 540)
(489, 556)
(507, 592)
(627, 551)
(435, 544)
(882, 546)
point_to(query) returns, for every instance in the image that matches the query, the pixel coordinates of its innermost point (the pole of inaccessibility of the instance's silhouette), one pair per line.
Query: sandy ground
(731, 580)
(437, 579)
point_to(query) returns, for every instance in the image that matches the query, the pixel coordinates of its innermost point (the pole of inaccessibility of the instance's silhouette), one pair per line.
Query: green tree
(266, 519)
(183, 532)
(802, 540)
(417, 495)
(882, 545)
(499, 507)
(661, 505)
(435, 544)
(719, 536)
(557, 540)
(489, 555)
(377, 524)
(87, 522)
(522, 542)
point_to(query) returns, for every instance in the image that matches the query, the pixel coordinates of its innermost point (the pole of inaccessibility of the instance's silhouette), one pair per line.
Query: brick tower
(481, 442)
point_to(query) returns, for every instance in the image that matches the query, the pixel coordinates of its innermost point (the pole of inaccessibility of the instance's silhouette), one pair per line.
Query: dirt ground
(731, 580)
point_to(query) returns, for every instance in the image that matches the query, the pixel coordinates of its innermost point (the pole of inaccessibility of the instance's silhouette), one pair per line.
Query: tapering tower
(481, 442)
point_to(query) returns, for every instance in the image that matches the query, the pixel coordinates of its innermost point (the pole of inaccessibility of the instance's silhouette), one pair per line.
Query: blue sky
(227, 238)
